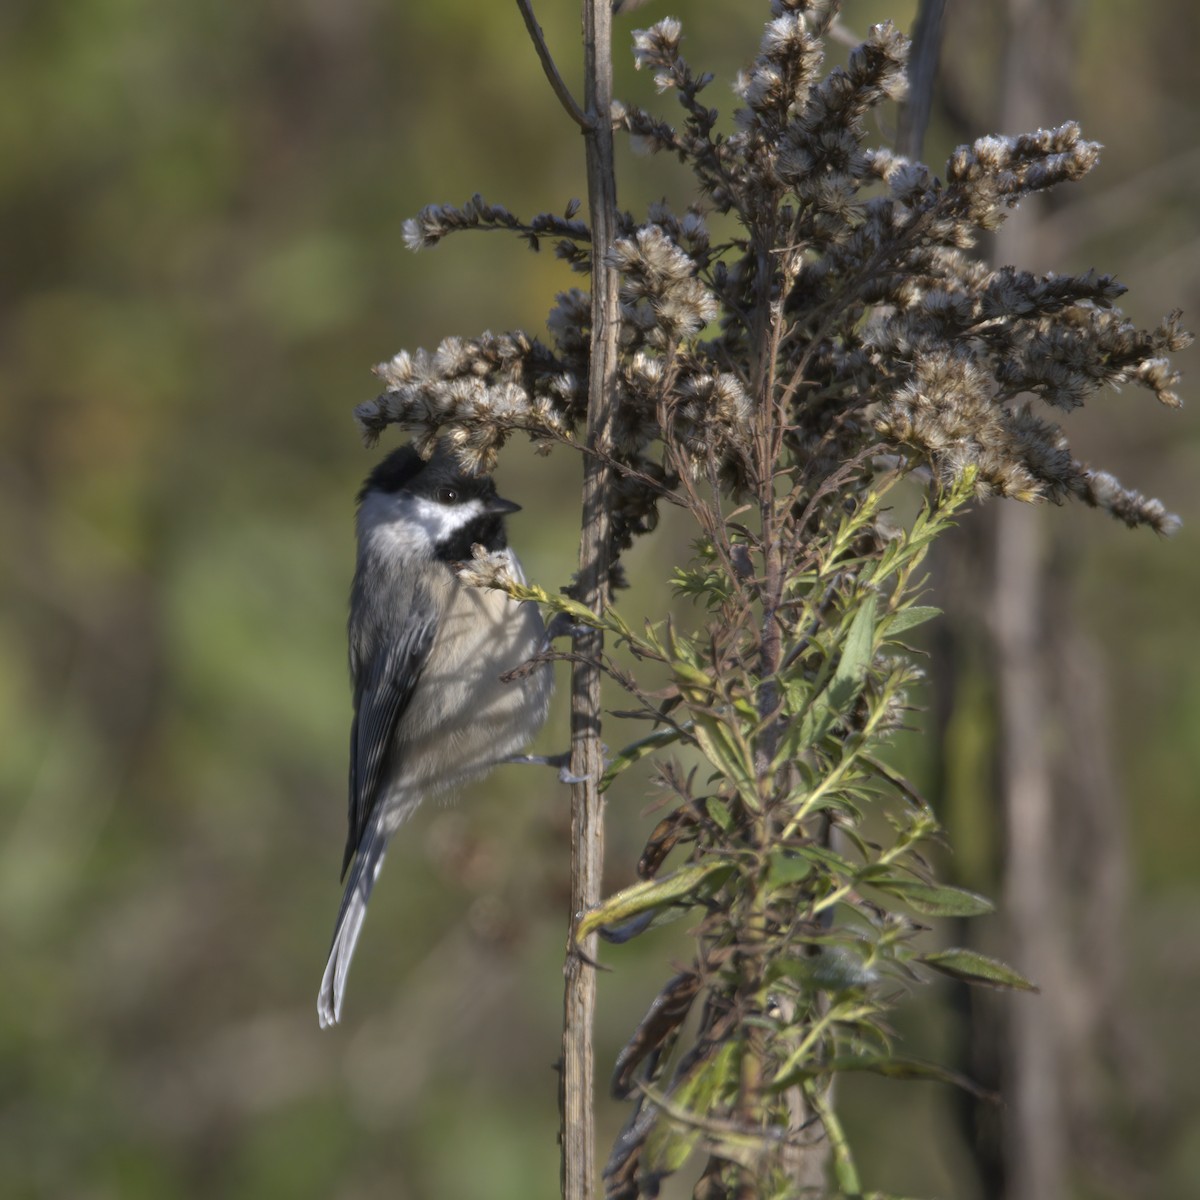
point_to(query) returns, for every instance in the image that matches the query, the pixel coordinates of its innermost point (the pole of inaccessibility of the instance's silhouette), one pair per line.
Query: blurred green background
(200, 208)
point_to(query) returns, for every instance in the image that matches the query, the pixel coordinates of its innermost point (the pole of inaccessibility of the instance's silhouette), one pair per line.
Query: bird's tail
(363, 874)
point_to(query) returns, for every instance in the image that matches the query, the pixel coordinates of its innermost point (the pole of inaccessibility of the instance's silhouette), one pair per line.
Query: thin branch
(556, 80)
(587, 752)
(922, 75)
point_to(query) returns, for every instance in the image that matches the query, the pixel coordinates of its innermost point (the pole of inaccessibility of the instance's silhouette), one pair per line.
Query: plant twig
(922, 75)
(587, 754)
(556, 80)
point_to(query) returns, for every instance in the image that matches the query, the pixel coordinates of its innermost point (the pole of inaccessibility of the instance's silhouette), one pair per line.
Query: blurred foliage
(201, 207)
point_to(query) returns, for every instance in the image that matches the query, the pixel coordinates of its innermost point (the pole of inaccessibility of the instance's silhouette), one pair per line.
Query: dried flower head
(846, 299)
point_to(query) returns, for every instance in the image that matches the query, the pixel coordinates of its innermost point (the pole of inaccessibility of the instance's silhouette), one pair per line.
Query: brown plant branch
(587, 753)
(922, 75)
(556, 80)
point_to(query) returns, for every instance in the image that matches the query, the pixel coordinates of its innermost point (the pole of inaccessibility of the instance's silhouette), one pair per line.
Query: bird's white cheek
(440, 522)
(407, 525)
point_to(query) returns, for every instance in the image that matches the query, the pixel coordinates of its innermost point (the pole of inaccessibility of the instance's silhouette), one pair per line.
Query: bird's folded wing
(383, 690)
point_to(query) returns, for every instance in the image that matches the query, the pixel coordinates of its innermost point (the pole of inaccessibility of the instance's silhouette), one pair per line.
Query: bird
(427, 652)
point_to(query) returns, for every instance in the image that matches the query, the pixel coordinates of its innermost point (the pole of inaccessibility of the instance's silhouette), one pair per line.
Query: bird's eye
(447, 495)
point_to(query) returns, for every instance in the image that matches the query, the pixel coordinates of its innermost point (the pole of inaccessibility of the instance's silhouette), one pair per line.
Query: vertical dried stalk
(587, 762)
(1034, 1136)
(927, 45)
(1036, 1152)
(922, 75)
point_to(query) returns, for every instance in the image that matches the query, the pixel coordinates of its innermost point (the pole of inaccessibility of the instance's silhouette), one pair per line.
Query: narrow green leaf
(555, 603)
(618, 623)
(683, 1117)
(844, 1170)
(652, 639)
(831, 860)
(935, 900)
(838, 968)
(797, 691)
(909, 618)
(785, 867)
(636, 751)
(573, 608)
(731, 759)
(815, 722)
(973, 967)
(689, 676)
(857, 651)
(889, 1066)
(651, 893)
(745, 1149)
(718, 810)
(654, 919)
(838, 696)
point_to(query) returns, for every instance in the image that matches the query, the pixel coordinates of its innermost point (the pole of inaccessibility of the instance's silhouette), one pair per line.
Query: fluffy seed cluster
(845, 299)
(475, 391)
(436, 221)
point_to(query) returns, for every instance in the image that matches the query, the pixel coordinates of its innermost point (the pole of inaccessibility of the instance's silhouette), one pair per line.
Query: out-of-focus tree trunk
(1038, 724)
(1038, 52)
(1034, 1149)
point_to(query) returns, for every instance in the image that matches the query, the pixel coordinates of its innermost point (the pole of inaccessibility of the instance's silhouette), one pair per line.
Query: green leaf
(651, 893)
(692, 677)
(830, 860)
(785, 867)
(839, 695)
(724, 750)
(909, 618)
(557, 603)
(935, 900)
(889, 1066)
(618, 624)
(973, 967)
(702, 582)
(682, 1117)
(718, 810)
(844, 1170)
(638, 750)
(746, 1149)
(838, 968)
(796, 691)
(812, 725)
(857, 651)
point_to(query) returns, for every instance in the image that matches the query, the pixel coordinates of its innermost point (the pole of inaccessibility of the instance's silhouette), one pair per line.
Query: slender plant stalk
(587, 756)
(922, 75)
(1035, 1134)
(555, 79)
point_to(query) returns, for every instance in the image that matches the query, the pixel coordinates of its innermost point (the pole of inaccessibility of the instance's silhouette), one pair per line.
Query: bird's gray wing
(383, 688)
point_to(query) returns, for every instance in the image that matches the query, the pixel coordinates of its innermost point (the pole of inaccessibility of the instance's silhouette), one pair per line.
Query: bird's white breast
(463, 718)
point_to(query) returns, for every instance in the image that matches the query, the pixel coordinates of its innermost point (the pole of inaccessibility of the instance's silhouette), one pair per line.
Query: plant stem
(587, 755)
(556, 80)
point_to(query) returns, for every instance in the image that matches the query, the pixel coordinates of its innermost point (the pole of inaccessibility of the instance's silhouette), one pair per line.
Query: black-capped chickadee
(426, 655)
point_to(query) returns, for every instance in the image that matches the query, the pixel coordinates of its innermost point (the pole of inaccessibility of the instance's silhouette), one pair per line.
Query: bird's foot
(561, 626)
(561, 761)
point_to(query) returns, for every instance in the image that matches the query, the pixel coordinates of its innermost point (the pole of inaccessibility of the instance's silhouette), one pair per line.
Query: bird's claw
(561, 761)
(561, 625)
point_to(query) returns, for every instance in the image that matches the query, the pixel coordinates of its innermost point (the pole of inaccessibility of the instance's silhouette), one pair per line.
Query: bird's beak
(499, 506)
